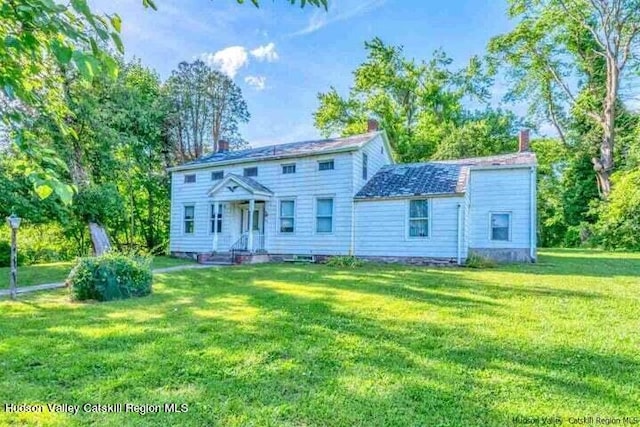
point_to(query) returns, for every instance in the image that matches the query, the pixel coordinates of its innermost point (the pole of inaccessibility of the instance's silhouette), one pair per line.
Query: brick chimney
(523, 141)
(372, 125)
(223, 146)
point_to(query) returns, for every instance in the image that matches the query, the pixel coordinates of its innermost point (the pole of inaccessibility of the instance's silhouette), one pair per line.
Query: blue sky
(282, 56)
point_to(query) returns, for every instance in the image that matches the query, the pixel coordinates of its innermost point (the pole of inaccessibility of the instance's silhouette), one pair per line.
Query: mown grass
(58, 272)
(316, 345)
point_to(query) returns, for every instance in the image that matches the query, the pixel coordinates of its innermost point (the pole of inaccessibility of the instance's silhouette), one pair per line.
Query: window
(326, 165)
(217, 175)
(216, 222)
(418, 218)
(287, 216)
(324, 215)
(286, 169)
(190, 179)
(365, 166)
(500, 226)
(189, 219)
(251, 171)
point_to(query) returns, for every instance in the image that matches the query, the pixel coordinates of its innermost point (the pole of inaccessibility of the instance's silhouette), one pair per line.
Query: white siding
(378, 156)
(304, 186)
(500, 190)
(381, 229)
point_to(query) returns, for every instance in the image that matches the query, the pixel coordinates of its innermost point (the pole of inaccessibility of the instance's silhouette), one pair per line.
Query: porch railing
(242, 244)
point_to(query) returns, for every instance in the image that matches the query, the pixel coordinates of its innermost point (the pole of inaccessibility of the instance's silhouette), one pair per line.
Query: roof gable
(232, 181)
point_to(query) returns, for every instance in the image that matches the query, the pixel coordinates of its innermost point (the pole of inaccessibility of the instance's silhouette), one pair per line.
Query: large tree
(420, 104)
(207, 107)
(570, 57)
(37, 38)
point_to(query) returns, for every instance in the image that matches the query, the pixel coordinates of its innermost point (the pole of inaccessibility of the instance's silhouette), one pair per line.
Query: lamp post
(14, 223)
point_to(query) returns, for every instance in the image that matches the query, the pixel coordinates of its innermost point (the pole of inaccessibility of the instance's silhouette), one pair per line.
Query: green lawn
(58, 272)
(315, 345)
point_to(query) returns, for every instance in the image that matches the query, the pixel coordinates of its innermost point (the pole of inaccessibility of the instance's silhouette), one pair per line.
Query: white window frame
(333, 215)
(195, 178)
(333, 165)
(409, 219)
(280, 217)
(288, 165)
(510, 215)
(217, 179)
(184, 219)
(220, 217)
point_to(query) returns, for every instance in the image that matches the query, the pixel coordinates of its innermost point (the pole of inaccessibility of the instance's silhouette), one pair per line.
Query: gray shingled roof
(436, 177)
(294, 149)
(510, 159)
(417, 179)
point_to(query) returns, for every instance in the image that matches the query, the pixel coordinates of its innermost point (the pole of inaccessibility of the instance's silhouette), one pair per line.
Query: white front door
(258, 219)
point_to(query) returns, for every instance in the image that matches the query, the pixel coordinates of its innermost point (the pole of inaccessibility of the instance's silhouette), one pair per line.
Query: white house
(346, 196)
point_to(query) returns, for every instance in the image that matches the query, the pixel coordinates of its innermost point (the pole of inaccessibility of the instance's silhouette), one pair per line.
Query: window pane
(188, 226)
(286, 225)
(288, 169)
(189, 212)
(365, 161)
(500, 234)
(419, 209)
(189, 179)
(286, 208)
(256, 217)
(325, 207)
(251, 172)
(216, 176)
(419, 228)
(326, 165)
(500, 220)
(324, 225)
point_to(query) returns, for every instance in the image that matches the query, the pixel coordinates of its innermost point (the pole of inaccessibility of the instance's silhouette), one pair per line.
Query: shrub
(475, 260)
(345, 261)
(109, 277)
(619, 224)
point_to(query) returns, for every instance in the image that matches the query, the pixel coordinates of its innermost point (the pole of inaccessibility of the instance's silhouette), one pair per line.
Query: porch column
(252, 207)
(215, 226)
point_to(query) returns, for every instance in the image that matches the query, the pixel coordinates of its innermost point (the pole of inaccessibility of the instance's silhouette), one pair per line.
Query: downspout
(532, 215)
(352, 246)
(459, 259)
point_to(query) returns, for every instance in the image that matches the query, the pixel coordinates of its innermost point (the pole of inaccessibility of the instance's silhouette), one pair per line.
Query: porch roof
(226, 189)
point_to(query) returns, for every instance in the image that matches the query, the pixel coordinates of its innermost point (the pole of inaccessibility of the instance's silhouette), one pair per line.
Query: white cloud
(256, 82)
(338, 11)
(231, 59)
(266, 53)
(228, 60)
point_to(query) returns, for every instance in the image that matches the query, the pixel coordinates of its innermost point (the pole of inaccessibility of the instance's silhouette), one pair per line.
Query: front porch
(238, 216)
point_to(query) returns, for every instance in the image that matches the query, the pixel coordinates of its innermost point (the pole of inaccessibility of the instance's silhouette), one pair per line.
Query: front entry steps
(231, 258)
(218, 258)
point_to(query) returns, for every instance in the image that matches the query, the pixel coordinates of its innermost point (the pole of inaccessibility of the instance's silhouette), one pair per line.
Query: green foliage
(109, 277)
(345, 262)
(420, 106)
(475, 260)
(207, 106)
(100, 204)
(618, 226)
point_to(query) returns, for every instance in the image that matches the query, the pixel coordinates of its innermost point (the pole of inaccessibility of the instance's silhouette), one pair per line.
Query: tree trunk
(99, 239)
